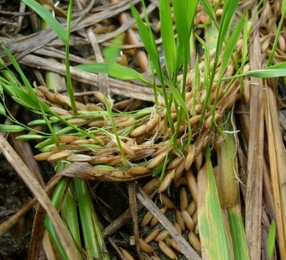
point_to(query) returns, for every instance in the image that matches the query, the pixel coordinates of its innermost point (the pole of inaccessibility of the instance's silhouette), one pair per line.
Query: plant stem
(56, 200)
(86, 212)
(68, 75)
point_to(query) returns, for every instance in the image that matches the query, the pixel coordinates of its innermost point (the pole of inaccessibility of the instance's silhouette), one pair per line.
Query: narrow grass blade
(277, 70)
(32, 95)
(230, 45)
(196, 87)
(177, 96)
(184, 12)
(210, 35)
(99, 236)
(210, 11)
(2, 110)
(168, 37)
(149, 42)
(244, 51)
(67, 60)
(48, 18)
(56, 200)
(151, 47)
(6, 86)
(112, 52)
(25, 101)
(277, 33)
(210, 218)
(70, 216)
(86, 211)
(116, 136)
(226, 19)
(2, 63)
(238, 234)
(111, 67)
(229, 9)
(271, 240)
(116, 70)
(11, 78)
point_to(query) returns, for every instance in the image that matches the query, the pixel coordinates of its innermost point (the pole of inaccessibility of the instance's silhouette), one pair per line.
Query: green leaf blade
(2, 110)
(230, 45)
(227, 15)
(168, 37)
(271, 240)
(210, 218)
(115, 70)
(209, 10)
(48, 18)
(149, 42)
(238, 235)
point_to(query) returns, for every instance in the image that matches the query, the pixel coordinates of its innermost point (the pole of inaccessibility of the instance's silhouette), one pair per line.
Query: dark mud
(14, 244)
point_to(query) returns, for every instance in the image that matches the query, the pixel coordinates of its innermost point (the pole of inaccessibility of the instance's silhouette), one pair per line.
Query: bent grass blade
(210, 218)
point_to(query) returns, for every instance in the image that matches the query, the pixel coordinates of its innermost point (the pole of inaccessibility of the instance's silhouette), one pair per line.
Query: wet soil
(14, 243)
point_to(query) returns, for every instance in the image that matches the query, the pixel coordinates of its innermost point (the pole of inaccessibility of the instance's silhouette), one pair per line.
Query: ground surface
(257, 196)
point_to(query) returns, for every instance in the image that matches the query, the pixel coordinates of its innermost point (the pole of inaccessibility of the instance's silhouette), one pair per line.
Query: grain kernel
(67, 138)
(156, 258)
(59, 111)
(191, 208)
(166, 201)
(199, 161)
(192, 185)
(126, 254)
(176, 246)
(167, 250)
(157, 160)
(152, 235)
(59, 156)
(178, 227)
(152, 123)
(151, 185)
(77, 121)
(166, 181)
(183, 199)
(43, 156)
(179, 170)
(195, 217)
(146, 219)
(194, 241)
(188, 220)
(190, 157)
(99, 96)
(79, 158)
(120, 175)
(180, 220)
(124, 146)
(162, 235)
(138, 170)
(140, 130)
(175, 162)
(145, 247)
(194, 119)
